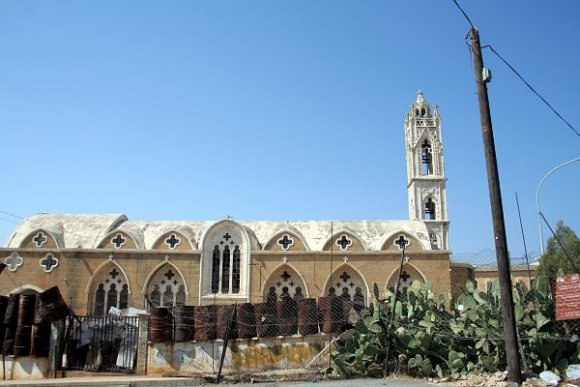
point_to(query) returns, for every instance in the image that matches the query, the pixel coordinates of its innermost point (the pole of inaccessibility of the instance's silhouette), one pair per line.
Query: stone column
(142, 344)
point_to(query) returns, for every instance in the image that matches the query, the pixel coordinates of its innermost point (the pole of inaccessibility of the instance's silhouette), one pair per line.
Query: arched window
(166, 287)
(225, 272)
(426, 159)
(282, 283)
(348, 284)
(225, 261)
(111, 291)
(429, 210)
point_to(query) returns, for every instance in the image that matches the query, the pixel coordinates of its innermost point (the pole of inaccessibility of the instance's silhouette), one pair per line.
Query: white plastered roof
(88, 230)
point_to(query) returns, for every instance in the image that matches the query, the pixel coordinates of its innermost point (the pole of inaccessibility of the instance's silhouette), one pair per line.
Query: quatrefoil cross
(344, 242)
(118, 240)
(39, 239)
(48, 263)
(172, 241)
(285, 242)
(402, 242)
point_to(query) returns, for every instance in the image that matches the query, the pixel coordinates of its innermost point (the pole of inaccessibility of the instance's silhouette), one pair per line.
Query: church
(100, 261)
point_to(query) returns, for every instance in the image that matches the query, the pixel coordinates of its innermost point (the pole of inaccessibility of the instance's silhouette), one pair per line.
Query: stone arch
(108, 286)
(26, 288)
(41, 238)
(225, 259)
(297, 242)
(348, 282)
(285, 279)
(409, 274)
(345, 240)
(166, 286)
(173, 238)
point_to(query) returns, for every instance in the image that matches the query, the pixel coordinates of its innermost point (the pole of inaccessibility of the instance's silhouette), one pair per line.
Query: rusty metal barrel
(10, 324)
(332, 314)
(40, 345)
(184, 322)
(56, 308)
(161, 328)
(3, 306)
(287, 316)
(226, 314)
(266, 319)
(246, 318)
(205, 323)
(23, 338)
(307, 316)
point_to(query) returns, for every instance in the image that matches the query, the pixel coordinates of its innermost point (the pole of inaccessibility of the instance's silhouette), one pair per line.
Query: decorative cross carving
(405, 276)
(285, 242)
(114, 273)
(285, 276)
(118, 240)
(402, 242)
(344, 242)
(14, 261)
(39, 239)
(344, 276)
(172, 241)
(169, 274)
(227, 236)
(48, 263)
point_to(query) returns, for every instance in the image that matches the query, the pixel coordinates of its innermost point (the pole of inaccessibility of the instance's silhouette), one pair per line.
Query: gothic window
(118, 241)
(284, 282)
(408, 276)
(347, 284)
(426, 159)
(166, 287)
(215, 269)
(236, 270)
(225, 271)
(112, 291)
(224, 262)
(402, 242)
(429, 210)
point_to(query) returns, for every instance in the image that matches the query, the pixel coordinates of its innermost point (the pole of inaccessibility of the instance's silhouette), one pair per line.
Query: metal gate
(101, 344)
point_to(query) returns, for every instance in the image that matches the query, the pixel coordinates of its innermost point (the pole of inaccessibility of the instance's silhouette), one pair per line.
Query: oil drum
(246, 321)
(161, 328)
(307, 316)
(205, 323)
(56, 308)
(184, 322)
(266, 319)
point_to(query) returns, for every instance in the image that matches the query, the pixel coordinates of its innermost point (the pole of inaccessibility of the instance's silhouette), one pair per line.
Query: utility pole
(503, 267)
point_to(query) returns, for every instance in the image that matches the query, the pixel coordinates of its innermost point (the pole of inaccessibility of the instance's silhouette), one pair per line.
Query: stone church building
(104, 260)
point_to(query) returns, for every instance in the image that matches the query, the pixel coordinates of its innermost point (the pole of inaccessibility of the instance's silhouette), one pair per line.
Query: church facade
(108, 260)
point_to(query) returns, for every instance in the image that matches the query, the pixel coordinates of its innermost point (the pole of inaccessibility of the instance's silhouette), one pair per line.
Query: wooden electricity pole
(503, 267)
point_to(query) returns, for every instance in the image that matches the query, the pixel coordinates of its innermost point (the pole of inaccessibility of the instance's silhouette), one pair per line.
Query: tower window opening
(426, 159)
(429, 210)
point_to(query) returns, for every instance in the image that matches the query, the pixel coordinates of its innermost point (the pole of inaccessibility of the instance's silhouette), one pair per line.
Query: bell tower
(426, 171)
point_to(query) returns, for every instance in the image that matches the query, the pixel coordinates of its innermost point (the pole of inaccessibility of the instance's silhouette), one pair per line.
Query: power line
(12, 215)
(533, 90)
(463, 12)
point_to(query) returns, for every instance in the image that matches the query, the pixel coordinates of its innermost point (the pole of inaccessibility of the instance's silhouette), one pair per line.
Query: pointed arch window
(226, 269)
(166, 288)
(426, 158)
(112, 291)
(429, 210)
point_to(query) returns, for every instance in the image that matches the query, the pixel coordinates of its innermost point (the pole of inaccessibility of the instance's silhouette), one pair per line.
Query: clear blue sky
(280, 110)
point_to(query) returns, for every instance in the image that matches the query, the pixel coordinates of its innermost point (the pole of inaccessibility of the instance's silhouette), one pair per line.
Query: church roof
(88, 230)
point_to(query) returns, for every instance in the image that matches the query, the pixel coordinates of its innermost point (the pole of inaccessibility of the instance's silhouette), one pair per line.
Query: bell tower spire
(426, 171)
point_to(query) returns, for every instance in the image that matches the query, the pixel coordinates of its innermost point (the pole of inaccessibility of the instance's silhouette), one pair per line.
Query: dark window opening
(426, 159)
(236, 270)
(226, 270)
(215, 270)
(429, 211)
